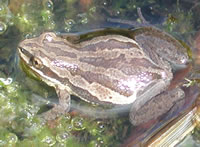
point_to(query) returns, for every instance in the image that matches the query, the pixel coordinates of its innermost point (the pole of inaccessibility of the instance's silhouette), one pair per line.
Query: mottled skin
(106, 66)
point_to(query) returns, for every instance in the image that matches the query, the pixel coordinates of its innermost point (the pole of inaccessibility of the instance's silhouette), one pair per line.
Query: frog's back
(110, 69)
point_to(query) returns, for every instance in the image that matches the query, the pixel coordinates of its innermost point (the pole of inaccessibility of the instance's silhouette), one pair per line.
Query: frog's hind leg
(157, 106)
(59, 109)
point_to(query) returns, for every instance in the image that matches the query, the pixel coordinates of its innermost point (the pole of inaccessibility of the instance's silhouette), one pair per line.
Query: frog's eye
(37, 63)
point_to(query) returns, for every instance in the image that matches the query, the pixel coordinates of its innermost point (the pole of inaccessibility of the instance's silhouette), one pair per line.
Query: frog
(117, 67)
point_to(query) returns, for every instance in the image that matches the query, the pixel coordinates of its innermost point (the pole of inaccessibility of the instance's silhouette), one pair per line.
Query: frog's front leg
(61, 108)
(157, 106)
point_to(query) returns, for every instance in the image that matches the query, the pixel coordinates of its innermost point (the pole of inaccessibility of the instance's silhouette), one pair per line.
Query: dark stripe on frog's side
(91, 77)
(111, 83)
(77, 91)
(84, 93)
(115, 63)
(102, 62)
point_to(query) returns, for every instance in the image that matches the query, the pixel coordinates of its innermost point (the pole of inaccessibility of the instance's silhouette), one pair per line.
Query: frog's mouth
(26, 62)
(25, 58)
(27, 69)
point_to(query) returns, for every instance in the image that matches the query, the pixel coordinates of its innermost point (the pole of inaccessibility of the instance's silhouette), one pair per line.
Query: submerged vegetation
(21, 126)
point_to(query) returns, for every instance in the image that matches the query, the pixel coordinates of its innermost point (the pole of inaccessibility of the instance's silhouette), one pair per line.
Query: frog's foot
(156, 107)
(59, 109)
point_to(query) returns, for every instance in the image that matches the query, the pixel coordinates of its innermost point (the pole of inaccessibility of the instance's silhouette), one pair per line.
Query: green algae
(23, 124)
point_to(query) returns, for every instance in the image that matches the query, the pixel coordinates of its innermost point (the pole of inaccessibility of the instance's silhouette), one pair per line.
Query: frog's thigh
(61, 108)
(157, 106)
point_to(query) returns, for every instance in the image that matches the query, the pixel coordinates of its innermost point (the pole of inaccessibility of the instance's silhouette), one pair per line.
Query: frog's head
(36, 55)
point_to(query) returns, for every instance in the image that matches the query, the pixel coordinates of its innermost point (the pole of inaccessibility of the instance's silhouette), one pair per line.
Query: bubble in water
(92, 10)
(7, 81)
(3, 27)
(78, 123)
(97, 143)
(105, 3)
(48, 4)
(67, 117)
(11, 138)
(101, 126)
(51, 25)
(83, 18)
(68, 127)
(69, 23)
(3, 9)
(63, 136)
(49, 140)
(28, 36)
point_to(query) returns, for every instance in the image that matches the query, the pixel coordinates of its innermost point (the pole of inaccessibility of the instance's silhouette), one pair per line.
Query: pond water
(24, 98)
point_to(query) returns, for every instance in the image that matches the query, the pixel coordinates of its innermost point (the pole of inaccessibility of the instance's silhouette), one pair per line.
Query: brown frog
(108, 66)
